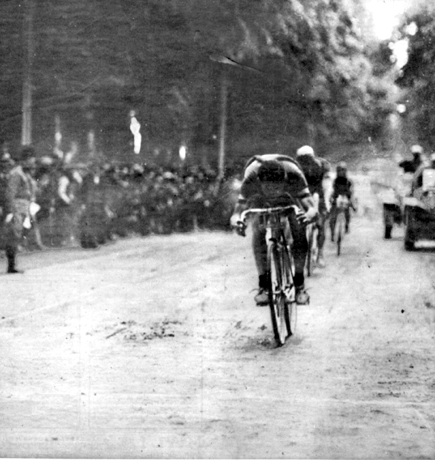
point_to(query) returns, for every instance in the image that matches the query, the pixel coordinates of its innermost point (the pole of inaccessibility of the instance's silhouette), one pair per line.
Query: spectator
(19, 193)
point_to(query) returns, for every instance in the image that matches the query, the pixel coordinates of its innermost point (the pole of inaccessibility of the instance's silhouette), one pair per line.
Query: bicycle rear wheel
(339, 226)
(277, 300)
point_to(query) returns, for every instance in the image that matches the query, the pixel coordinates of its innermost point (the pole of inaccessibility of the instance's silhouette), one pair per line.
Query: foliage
(298, 71)
(417, 75)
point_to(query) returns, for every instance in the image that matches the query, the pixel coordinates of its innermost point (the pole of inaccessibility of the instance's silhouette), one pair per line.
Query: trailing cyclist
(316, 171)
(341, 185)
(276, 180)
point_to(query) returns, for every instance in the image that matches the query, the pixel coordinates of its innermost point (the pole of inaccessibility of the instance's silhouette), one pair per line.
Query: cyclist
(316, 171)
(276, 180)
(341, 185)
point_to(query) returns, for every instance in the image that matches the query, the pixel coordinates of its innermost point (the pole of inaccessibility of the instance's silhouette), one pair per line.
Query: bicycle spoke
(277, 301)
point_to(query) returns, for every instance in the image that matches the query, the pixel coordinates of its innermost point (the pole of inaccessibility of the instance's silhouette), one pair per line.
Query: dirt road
(153, 348)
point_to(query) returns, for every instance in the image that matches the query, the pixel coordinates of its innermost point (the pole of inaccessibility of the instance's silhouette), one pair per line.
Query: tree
(417, 75)
(294, 71)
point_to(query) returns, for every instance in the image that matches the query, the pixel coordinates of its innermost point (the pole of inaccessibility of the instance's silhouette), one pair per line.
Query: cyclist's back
(342, 186)
(315, 170)
(294, 184)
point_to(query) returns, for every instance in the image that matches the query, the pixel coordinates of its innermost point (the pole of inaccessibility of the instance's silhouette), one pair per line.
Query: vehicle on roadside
(419, 208)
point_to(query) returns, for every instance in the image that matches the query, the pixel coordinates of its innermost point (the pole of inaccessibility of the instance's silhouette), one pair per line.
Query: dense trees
(417, 77)
(295, 71)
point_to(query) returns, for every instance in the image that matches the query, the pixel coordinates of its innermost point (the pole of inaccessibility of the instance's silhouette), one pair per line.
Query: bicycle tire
(309, 262)
(277, 301)
(339, 232)
(313, 250)
(290, 311)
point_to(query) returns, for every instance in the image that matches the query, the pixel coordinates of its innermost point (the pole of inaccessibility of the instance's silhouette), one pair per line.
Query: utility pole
(28, 40)
(223, 122)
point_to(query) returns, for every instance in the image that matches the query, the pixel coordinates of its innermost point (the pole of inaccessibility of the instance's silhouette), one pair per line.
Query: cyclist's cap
(305, 150)
(271, 171)
(417, 149)
(342, 166)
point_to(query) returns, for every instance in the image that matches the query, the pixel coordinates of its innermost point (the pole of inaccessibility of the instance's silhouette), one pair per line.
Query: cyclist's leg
(332, 220)
(321, 235)
(299, 251)
(347, 217)
(259, 247)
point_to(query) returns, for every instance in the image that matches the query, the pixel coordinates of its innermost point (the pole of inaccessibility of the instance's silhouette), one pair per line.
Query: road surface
(152, 347)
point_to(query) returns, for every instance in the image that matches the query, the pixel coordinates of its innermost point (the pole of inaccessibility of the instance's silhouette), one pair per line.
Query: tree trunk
(223, 122)
(26, 132)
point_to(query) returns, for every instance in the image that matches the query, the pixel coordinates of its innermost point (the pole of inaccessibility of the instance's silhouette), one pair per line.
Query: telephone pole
(223, 122)
(28, 40)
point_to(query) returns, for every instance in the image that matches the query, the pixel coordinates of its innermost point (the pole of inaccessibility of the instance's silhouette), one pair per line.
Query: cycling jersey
(295, 184)
(315, 170)
(342, 186)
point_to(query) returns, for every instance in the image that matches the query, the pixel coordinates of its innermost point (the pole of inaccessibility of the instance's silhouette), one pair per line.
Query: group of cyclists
(273, 180)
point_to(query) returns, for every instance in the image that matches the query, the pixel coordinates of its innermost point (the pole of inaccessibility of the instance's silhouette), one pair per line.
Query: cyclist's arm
(350, 195)
(239, 207)
(327, 184)
(309, 206)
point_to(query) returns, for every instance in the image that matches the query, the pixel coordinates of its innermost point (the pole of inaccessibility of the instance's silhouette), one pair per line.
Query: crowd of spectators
(91, 204)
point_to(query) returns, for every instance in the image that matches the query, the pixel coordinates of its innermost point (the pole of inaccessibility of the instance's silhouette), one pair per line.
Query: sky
(386, 15)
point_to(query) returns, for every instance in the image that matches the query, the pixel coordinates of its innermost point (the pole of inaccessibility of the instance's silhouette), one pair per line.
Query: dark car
(419, 209)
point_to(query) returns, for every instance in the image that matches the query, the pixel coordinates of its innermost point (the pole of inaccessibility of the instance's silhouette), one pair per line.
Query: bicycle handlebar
(265, 211)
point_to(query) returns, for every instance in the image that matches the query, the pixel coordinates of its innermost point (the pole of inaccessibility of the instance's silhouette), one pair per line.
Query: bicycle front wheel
(290, 311)
(277, 300)
(313, 249)
(309, 262)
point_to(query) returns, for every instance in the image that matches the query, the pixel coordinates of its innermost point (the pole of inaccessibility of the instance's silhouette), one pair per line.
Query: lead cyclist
(276, 180)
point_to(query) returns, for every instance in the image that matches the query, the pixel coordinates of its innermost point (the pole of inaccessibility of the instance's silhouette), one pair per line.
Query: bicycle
(280, 269)
(341, 205)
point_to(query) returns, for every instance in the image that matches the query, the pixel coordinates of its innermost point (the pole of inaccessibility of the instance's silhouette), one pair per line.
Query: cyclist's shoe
(346, 229)
(302, 297)
(262, 298)
(14, 271)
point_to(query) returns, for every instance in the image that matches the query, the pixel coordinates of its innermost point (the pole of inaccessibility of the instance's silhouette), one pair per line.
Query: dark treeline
(293, 72)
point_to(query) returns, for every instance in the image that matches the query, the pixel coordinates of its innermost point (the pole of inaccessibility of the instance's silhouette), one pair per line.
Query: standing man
(19, 192)
(6, 164)
(276, 180)
(316, 171)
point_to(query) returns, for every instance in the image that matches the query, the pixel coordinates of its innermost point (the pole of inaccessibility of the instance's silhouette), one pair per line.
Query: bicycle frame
(279, 269)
